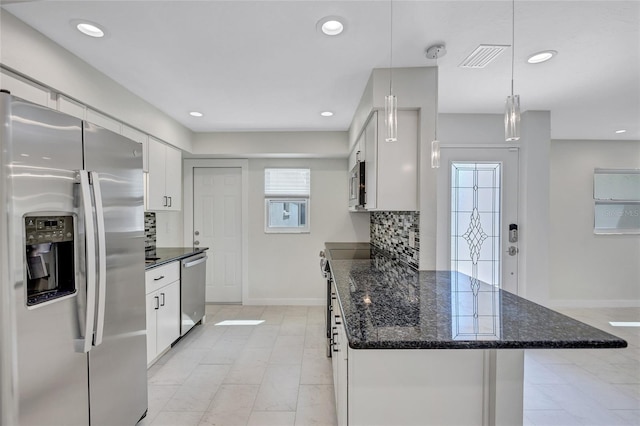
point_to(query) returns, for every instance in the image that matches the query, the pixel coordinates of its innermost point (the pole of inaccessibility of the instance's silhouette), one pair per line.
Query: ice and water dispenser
(50, 257)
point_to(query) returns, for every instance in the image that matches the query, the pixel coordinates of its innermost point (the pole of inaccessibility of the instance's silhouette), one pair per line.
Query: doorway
(215, 217)
(477, 207)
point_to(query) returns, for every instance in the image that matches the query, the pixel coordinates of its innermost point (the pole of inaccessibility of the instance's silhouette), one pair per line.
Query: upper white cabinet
(391, 168)
(25, 89)
(164, 182)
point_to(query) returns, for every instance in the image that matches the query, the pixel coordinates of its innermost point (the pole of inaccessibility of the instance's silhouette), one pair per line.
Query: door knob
(512, 251)
(196, 242)
(196, 233)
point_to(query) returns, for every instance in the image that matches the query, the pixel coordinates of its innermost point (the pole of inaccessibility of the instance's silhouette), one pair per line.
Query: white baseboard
(291, 302)
(579, 304)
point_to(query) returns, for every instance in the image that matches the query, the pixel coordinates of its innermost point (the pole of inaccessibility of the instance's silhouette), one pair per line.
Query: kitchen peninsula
(434, 347)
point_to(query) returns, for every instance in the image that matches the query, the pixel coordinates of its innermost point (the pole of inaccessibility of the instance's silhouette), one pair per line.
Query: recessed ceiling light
(543, 56)
(196, 114)
(326, 113)
(91, 29)
(621, 131)
(331, 25)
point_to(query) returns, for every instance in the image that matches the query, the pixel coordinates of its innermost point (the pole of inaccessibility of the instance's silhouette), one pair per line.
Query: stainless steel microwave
(357, 191)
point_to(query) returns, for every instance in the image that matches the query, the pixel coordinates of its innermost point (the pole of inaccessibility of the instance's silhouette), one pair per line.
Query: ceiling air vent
(483, 55)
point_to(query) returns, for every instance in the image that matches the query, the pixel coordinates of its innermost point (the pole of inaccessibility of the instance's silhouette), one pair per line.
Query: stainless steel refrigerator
(73, 196)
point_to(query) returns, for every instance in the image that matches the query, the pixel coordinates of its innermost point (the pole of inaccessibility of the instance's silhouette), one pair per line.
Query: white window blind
(287, 182)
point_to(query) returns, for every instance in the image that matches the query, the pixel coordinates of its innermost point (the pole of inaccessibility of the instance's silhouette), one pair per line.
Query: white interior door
(477, 204)
(217, 224)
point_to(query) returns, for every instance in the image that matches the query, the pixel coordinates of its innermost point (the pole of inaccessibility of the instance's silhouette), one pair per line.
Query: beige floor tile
(231, 406)
(272, 418)
(316, 371)
(279, 388)
(246, 374)
(316, 406)
(184, 418)
(158, 396)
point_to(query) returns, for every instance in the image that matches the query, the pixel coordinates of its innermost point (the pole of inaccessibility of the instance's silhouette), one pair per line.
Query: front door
(477, 206)
(217, 224)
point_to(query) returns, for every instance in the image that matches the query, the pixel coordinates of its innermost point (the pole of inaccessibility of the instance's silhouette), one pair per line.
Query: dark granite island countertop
(162, 255)
(388, 305)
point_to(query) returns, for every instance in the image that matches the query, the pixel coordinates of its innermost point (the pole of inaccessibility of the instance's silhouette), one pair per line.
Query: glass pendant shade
(391, 118)
(512, 118)
(435, 154)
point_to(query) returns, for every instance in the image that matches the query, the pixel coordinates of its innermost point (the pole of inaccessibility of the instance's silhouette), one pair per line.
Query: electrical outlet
(412, 239)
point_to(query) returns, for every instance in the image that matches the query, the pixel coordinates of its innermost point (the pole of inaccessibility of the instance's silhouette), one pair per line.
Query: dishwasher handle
(188, 263)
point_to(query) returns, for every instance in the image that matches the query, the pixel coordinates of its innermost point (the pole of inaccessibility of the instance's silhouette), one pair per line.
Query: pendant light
(390, 101)
(434, 52)
(512, 104)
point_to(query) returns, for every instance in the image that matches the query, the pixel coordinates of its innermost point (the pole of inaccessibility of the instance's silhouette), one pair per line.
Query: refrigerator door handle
(102, 258)
(84, 345)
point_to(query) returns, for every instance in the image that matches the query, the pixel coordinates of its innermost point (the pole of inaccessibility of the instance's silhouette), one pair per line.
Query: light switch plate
(412, 239)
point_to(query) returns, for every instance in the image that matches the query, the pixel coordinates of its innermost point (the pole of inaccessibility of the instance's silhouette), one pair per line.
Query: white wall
(169, 229)
(284, 268)
(271, 144)
(31, 54)
(589, 270)
(533, 201)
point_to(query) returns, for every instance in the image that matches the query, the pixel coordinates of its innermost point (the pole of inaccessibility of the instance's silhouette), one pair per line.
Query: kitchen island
(434, 347)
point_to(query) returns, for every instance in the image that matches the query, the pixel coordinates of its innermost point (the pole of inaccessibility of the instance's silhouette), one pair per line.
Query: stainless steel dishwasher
(192, 290)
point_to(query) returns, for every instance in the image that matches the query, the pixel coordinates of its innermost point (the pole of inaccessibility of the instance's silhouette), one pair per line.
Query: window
(286, 193)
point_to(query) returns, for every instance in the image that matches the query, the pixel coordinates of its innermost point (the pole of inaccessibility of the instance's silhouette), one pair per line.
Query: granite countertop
(161, 255)
(388, 305)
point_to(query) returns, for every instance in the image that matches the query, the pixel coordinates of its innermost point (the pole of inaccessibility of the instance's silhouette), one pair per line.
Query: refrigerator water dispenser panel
(49, 257)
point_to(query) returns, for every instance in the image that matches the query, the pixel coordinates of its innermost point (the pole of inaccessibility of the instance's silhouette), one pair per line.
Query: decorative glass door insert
(476, 220)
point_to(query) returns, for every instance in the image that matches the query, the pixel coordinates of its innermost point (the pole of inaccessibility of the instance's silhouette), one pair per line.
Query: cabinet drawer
(161, 276)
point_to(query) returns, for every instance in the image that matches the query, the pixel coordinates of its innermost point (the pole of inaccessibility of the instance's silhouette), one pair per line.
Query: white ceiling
(262, 65)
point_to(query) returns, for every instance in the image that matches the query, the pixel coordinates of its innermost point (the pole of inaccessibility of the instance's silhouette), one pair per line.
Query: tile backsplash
(390, 232)
(149, 231)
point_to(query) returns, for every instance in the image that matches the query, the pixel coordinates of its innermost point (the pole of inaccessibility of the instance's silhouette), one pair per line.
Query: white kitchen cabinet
(25, 89)
(339, 361)
(391, 167)
(163, 308)
(339, 358)
(164, 182)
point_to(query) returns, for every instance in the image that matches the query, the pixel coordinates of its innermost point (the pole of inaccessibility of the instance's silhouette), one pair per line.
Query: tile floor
(586, 386)
(276, 373)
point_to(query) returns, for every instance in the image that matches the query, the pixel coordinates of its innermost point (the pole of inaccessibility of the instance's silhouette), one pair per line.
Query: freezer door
(117, 362)
(46, 150)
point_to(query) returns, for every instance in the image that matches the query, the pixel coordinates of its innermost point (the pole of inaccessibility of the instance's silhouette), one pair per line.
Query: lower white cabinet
(163, 308)
(339, 360)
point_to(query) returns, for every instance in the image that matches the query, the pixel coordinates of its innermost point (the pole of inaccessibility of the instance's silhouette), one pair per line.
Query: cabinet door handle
(157, 302)
(164, 202)
(170, 202)
(162, 295)
(159, 278)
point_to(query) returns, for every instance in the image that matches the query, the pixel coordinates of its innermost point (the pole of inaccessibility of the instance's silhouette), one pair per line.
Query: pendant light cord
(513, 39)
(390, 47)
(437, 93)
